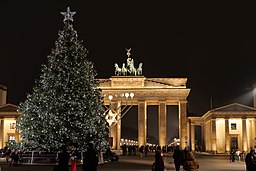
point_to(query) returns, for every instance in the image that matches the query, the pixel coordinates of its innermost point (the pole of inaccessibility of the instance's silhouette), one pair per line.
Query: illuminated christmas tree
(65, 105)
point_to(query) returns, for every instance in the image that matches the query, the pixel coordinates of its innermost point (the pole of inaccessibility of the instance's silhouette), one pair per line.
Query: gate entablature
(171, 90)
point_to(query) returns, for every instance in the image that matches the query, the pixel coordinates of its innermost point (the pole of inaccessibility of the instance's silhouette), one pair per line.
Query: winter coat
(250, 161)
(158, 165)
(191, 163)
(90, 161)
(179, 157)
(63, 159)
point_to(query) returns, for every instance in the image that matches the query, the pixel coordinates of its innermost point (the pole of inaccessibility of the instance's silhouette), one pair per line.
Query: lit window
(233, 126)
(11, 138)
(12, 125)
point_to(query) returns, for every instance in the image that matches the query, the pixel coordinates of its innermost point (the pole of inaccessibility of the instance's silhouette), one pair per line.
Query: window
(233, 126)
(12, 125)
(11, 138)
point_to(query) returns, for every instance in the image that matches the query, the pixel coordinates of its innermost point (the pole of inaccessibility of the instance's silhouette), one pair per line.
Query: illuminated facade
(147, 91)
(8, 115)
(225, 129)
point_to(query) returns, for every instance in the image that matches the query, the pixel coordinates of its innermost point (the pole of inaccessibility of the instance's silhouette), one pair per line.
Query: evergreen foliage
(65, 105)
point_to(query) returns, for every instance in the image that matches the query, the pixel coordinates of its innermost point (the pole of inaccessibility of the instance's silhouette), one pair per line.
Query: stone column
(118, 128)
(2, 144)
(244, 135)
(192, 136)
(115, 128)
(213, 135)
(17, 135)
(202, 137)
(183, 123)
(142, 123)
(227, 136)
(253, 134)
(162, 123)
(3, 94)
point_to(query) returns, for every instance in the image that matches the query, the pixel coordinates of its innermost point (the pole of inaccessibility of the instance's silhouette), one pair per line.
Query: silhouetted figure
(158, 165)
(232, 156)
(108, 154)
(179, 157)
(250, 161)
(191, 164)
(90, 160)
(14, 158)
(63, 159)
(141, 150)
(124, 148)
(129, 150)
(146, 150)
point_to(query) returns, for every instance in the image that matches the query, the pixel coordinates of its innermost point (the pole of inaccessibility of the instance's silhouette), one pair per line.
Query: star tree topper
(68, 15)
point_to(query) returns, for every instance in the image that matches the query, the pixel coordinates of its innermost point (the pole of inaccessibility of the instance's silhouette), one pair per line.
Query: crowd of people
(90, 159)
(14, 156)
(183, 159)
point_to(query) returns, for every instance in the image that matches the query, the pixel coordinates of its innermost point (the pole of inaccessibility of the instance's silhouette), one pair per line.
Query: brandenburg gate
(132, 88)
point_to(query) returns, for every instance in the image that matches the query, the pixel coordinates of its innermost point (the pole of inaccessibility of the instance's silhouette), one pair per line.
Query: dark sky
(212, 43)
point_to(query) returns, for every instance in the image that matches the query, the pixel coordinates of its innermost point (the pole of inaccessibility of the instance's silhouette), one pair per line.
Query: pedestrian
(124, 147)
(90, 160)
(14, 158)
(191, 164)
(108, 155)
(232, 156)
(179, 157)
(62, 159)
(7, 153)
(73, 156)
(250, 161)
(129, 150)
(158, 165)
(146, 150)
(141, 150)
(238, 154)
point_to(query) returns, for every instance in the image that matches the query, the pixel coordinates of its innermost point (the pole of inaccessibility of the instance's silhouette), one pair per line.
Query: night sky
(212, 43)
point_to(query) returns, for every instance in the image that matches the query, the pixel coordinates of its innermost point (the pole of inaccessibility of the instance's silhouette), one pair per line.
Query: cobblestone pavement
(136, 163)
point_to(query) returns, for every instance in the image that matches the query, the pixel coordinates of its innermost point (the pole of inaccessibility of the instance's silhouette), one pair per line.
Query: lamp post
(117, 108)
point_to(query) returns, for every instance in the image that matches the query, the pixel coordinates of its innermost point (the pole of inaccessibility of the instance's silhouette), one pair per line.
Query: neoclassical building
(8, 115)
(225, 129)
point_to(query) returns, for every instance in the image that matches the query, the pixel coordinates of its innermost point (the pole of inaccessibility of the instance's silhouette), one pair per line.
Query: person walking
(158, 165)
(146, 150)
(178, 156)
(191, 164)
(90, 160)
(14, 158)
(73, 156)
(62, 159)
(141, 150)
(250, 161)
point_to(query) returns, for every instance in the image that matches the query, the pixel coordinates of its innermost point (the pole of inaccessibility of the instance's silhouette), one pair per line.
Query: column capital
(244, 117)
(227, 117)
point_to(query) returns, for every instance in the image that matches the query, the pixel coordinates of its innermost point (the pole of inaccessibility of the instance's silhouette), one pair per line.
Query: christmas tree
(66, 105)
